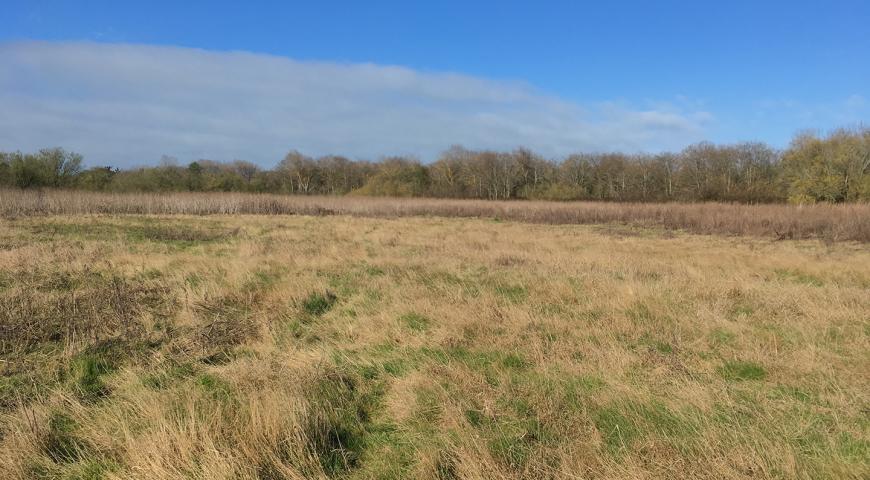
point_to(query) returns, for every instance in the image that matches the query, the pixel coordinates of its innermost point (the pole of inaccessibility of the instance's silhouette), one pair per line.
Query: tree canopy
(832, 168)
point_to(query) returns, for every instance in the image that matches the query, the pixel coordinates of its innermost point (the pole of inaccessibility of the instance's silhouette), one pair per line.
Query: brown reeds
(840, 222)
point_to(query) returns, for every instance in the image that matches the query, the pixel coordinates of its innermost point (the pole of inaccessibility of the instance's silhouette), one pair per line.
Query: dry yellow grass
(306, 347)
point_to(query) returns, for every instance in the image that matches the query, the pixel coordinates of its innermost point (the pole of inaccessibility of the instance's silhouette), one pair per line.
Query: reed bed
(829, 222)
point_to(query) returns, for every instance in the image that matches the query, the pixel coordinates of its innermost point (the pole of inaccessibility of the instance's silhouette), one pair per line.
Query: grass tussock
(356, 348)
(829, 222)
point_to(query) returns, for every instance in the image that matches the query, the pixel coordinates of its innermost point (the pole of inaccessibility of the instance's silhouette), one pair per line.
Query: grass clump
(168, 375)
(622, 424)
(215, 386)
(513, 431)
(513, 361)
(512, 293)
(739, 370)
(516, 442)
(92, 470)
(797, 276)
(87, 371)
(617, 431)
(396, 367)
(445, 466)
(583, 385)
(655, 345)
(415, 321)
(317, 303)
(59, 441)
(340, 422)
(512, 448)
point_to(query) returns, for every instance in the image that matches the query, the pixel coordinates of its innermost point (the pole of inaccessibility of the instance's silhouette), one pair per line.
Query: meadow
(392, 341)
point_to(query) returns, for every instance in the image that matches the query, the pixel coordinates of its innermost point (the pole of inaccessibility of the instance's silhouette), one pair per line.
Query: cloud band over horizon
(126, 105)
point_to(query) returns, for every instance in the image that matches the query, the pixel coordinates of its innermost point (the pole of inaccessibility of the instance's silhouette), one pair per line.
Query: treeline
(832, 168)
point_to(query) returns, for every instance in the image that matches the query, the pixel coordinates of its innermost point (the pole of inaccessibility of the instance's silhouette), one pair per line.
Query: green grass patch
(91, 469)
(797, 276)
(617, 431)
(578, 388)
(59, 441)
(415, 321)
(215, 386)
(396, 367)
(193, 280)
(659, 419)
(176, 234)
(514, 361)
(655, 345)
(169, 375)
(475, 417)
(512, 448)
(789, 392)
(738, 370)
(263, 279)
(621, 424)
(6, 280)
(853, 448)
(513, 433)
(513, 293)
(341, 427)
(22, 387)
(87, 371)
(445, 466)
(374, 271)
(345, 281)
(318, 303)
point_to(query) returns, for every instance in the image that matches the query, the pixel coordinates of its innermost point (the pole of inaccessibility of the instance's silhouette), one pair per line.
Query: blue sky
(125, 83)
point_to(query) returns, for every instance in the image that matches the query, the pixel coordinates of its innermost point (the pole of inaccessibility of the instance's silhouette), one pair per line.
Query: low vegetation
(827, 222)
(273, 347)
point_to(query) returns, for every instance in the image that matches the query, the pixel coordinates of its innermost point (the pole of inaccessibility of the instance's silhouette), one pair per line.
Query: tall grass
(826, 221)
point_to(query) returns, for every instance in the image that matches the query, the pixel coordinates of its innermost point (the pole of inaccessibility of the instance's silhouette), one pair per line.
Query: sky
(125, 83)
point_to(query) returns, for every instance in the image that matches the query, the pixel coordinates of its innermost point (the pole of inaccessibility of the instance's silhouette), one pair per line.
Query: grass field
(272, 347)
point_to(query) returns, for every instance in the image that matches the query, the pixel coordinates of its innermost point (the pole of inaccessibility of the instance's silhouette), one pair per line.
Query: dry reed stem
(844, 222)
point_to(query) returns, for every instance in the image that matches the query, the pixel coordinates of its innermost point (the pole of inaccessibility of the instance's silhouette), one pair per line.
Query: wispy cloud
(855, 102)
(125, 104)
(838, 112)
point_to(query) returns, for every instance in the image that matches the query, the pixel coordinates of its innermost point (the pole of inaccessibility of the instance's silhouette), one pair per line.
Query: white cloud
(801, 115)
(125, 104)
